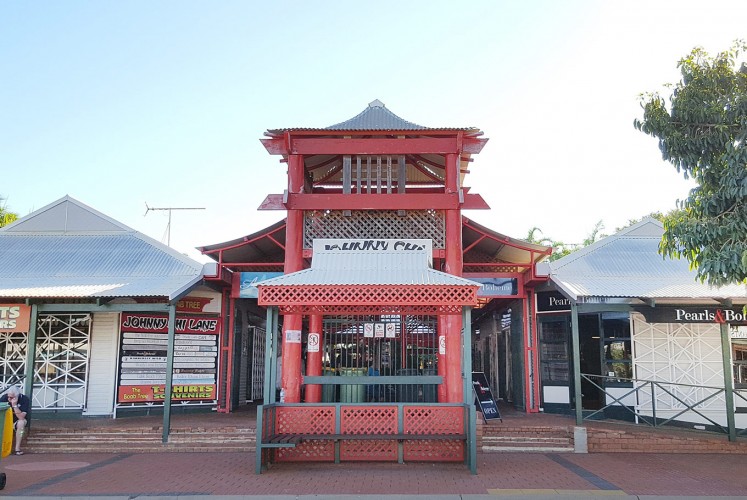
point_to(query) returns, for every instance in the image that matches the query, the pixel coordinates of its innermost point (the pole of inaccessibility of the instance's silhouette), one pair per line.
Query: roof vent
(376, 104)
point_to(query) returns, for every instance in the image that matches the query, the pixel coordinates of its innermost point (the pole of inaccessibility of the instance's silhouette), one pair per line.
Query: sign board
(15, 318)
(484, 397)
(496, 287)
(247, 288)
(143, 358)
(552, 302)
(734, 316)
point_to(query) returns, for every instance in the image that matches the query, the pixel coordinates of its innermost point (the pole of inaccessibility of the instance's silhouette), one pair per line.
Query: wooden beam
(374, 146)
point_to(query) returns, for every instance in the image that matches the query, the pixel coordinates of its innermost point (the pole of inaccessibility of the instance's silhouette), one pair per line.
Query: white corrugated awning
(628, 265)
(67, 249)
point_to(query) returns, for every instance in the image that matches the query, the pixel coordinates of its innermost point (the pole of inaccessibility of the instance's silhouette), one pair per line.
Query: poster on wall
(143, 358)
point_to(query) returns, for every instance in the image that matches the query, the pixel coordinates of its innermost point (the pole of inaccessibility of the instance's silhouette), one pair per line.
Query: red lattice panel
(368, 420)
(434, 451)
(434, 420)
(368, 450)
(372, 309)
(368, 295)
(307, 451)
(305, 420)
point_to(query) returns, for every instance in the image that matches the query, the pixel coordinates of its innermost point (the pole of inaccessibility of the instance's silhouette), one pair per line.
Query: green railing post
(576, 363)
(653, 402)
(169, 374)
(728, 381)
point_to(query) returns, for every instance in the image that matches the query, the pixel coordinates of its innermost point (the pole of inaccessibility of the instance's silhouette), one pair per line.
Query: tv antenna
(170, 209)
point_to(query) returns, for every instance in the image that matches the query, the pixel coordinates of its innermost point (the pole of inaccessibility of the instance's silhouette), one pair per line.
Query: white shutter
(102, 373)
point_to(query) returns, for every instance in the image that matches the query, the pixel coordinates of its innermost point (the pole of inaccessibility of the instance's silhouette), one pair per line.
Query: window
(553, 337)
(739, 360)
(617, 348)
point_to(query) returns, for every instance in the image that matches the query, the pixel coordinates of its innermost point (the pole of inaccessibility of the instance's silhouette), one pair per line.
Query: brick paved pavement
(507, 475)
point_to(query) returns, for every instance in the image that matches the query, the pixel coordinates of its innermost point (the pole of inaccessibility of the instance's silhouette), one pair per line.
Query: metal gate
(385, 345)
(257, 363)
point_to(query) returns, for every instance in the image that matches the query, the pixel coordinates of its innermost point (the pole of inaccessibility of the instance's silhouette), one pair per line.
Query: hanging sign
(497, 287)
(379, 330)
(368, 330)
(15, 317)
(484, 397)
(391, 330)
(247, 288)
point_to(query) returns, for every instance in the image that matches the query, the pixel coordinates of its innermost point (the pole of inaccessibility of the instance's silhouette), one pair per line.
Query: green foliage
(6, 217)
(560, 249)
(702, 131)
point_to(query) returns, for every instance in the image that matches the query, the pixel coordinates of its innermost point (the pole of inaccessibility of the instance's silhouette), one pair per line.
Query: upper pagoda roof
(375, 117)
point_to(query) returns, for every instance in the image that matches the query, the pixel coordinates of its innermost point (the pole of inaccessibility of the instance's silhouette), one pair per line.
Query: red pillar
(453, 261)
(291, 376)
(313, 393)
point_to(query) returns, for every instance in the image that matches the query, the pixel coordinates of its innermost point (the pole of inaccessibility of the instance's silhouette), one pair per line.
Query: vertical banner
(143, 356)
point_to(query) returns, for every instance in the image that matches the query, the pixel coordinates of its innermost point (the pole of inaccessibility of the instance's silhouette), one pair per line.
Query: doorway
(592, 397)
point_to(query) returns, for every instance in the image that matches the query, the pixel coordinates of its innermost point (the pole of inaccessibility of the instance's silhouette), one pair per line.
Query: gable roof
(67, 249)
(376, 116)
(628, 265)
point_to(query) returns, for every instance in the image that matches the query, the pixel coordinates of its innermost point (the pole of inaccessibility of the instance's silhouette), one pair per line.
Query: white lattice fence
(375, 224)
(685, 356)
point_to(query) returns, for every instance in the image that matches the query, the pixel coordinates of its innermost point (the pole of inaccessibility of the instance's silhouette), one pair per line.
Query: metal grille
(12, 359)
(375, 224)
(258, 362)
(374, 345)
(61, 364)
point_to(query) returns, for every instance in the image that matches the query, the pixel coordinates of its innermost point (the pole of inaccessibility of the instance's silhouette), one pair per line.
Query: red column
(453, 262)
(291, 376)
(313, 393)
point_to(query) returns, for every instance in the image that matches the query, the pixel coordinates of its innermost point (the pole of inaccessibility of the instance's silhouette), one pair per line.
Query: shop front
(639, 338)
(84, 334)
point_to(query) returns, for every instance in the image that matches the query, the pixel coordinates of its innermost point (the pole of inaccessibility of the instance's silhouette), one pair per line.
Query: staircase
(498, 438)
(139, 440)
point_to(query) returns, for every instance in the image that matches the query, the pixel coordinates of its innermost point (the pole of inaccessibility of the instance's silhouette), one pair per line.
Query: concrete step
(123, 441)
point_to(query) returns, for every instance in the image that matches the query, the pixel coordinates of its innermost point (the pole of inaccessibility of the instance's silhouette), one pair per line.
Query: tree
(560, 249)
(702, 130)
(6, 217)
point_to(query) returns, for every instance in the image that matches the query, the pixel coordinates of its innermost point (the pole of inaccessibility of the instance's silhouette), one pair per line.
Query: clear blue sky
(122, 103)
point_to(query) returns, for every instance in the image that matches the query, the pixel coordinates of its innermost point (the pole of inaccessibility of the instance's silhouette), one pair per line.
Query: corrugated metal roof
(381, 267)
(41, 256)
(628, 265)
(375, 117)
